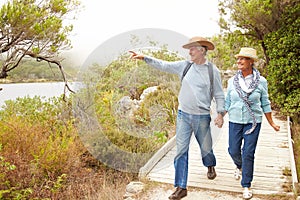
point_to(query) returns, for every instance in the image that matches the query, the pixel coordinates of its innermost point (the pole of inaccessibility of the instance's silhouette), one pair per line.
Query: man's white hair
(202, 47)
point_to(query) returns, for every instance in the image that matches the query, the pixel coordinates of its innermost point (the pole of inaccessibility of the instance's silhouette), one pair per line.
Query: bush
(39, 139)
(283, 71)
(122, 142)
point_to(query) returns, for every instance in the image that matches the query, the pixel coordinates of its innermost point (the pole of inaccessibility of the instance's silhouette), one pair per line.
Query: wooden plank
(221, 173)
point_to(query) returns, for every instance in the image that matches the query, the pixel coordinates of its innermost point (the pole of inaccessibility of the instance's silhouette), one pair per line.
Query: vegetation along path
(273, 163)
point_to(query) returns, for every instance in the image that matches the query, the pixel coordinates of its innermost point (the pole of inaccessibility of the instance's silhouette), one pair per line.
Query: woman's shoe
(237, 173)
(247, 193)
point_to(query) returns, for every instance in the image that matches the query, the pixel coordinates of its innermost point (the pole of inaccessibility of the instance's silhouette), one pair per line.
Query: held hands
(136, 56)
(219, 121)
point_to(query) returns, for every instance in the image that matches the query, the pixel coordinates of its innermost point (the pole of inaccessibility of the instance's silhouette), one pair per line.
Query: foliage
(253, 18)
(39, 138)
(156, 113)
(5, 167)
(31, 28)
(228, 45)
(283, 72)
(43, 158)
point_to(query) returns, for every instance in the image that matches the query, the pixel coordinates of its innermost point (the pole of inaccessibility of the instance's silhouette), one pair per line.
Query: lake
(48, 89)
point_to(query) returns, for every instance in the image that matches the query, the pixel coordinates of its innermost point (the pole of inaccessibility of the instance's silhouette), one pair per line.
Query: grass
(42, 156)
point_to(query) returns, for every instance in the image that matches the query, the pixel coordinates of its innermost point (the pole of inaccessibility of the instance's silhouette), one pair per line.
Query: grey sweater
(194, 95)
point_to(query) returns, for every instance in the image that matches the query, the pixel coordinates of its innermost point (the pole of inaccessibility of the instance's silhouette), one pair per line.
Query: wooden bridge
(274, 171)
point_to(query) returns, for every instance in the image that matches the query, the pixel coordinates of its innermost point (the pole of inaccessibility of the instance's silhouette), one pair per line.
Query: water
(12, 91)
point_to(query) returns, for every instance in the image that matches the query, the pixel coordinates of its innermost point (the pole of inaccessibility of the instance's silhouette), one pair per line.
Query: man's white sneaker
(237, 173)
(247, 193)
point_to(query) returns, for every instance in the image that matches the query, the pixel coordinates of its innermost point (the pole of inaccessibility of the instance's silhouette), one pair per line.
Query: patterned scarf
(244, 93)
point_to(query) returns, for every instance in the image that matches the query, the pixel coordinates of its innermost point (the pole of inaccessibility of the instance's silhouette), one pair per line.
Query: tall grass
(42, 156)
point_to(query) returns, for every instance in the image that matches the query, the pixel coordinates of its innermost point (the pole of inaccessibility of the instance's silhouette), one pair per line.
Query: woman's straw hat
(199, 41)
(248, 53)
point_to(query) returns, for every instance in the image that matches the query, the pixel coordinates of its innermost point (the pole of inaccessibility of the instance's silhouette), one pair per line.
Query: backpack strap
(186, 69)
(211, 78)
(210, 73)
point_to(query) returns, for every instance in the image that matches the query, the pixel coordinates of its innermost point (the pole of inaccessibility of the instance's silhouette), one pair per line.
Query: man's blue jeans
(186, 125)
(243, 158)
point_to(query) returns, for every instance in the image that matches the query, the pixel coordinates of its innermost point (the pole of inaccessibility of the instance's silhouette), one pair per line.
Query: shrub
(38, 137)
(283, 71)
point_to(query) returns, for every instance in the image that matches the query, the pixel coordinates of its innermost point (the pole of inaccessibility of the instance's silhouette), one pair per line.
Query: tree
(226, 46)
(34, 28)
(253, 18)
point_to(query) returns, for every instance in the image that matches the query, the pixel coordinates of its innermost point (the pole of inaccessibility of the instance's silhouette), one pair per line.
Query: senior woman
(246, 102)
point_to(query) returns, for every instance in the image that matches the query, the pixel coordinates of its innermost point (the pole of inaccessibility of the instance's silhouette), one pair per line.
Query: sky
(99, 21)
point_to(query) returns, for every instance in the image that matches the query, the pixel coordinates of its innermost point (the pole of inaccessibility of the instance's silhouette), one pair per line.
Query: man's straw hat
(199, 41)
(248, 53)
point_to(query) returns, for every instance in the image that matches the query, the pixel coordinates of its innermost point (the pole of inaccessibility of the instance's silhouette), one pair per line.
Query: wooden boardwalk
(272, 158)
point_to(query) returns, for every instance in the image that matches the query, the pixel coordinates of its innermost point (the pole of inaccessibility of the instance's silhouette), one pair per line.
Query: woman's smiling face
(244, 63)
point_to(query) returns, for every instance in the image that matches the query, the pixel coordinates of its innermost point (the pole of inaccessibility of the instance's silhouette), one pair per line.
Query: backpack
(210, 73)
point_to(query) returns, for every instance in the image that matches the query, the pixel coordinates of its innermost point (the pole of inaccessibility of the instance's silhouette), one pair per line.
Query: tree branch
(66, 86)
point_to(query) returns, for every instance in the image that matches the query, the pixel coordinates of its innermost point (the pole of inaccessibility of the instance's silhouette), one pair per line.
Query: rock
(135, 187)
(132, 189)
(147, 91)
(126, 105)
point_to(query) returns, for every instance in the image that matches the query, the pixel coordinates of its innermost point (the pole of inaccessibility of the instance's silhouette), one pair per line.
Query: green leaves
(284, 75)
(34, 28)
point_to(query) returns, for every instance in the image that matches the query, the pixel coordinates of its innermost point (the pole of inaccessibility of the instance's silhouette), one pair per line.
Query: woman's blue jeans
(186, 125)
(243, 157)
